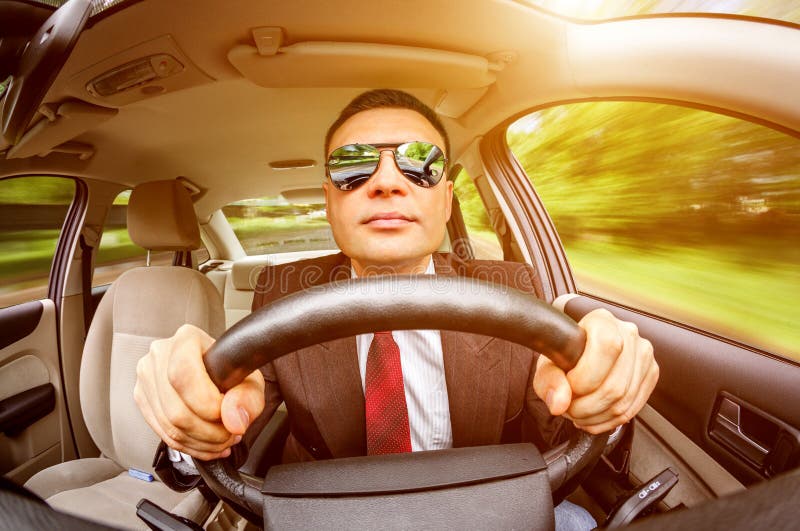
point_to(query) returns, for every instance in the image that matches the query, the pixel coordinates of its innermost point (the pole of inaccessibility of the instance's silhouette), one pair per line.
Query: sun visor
(355, 65)
(70, 120)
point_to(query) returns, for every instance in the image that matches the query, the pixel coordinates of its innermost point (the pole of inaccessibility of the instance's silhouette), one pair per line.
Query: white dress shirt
(424, 381)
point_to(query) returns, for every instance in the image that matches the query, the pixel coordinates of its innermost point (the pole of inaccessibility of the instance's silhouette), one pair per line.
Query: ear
(448, 209)
(326, 191)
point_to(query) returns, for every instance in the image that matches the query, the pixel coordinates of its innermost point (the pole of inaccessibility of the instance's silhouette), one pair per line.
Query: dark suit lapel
(477, 374)
(332, 383)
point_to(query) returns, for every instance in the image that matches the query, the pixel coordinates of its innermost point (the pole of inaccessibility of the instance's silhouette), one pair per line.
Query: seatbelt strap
(183, 259)
(86, 282)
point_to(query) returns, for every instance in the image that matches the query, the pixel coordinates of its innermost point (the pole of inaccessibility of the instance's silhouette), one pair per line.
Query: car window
(789, 11)
(4, 86)
(33, 213)
(116, 252)
(269, 225)
(482, 236)
(684, 213)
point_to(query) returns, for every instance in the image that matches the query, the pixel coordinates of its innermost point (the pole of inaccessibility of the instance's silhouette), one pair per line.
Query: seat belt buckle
(139, 474)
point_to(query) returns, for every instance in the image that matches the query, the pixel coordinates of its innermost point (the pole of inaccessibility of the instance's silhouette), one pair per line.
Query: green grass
(26, 254)
(752, 301)
(116, 245)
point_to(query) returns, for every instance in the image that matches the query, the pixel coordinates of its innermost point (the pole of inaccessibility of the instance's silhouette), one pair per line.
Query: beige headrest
(161, 217)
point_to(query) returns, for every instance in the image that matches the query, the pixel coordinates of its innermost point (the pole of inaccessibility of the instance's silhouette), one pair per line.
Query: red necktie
(387, 415)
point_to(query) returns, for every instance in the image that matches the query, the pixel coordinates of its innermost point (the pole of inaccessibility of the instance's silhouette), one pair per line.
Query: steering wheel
(351, 307)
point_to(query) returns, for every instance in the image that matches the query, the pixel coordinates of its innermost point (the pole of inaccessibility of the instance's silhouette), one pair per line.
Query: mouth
(388, 220)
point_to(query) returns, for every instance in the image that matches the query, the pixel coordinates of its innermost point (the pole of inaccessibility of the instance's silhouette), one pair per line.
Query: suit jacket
(489, 381)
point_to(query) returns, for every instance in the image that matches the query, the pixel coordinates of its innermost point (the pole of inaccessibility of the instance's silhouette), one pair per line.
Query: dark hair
(387, 98)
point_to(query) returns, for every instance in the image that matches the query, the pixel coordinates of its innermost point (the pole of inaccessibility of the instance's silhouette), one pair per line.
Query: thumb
(551, 385)
(243, 403)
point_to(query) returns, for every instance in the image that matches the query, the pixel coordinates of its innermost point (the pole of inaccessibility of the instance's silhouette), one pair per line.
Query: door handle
(728, 427)
(766, 443)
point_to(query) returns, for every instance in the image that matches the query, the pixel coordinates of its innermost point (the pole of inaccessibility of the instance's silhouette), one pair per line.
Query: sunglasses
(350, 166)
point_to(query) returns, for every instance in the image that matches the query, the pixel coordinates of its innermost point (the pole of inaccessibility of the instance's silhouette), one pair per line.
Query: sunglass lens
(421, 162)
(351, 166)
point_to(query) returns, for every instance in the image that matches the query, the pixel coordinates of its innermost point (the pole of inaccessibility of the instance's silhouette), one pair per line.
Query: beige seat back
(142, 305)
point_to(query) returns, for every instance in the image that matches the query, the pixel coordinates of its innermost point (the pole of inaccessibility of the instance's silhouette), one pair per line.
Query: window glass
(598, 10)
(482, 236)
(4, 86)
(269, 225)
(33, 213)
(116, 252)
(687, 214)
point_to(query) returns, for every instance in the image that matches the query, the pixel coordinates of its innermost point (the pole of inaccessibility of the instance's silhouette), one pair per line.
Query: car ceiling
(221, 130)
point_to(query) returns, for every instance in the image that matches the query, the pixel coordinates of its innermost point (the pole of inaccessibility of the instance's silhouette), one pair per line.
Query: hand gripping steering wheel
(352, 307)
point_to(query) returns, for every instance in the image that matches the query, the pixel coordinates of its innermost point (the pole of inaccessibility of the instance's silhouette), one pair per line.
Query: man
(388, 217)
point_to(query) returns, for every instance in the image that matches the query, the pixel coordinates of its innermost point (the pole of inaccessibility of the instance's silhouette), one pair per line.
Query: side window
(33, 213)
(269, 225)
(683, 213)
(116, 252)
(482, 236)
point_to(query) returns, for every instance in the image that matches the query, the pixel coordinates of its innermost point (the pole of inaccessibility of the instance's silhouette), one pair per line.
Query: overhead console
(151, 68)
(269, 63)
(148, 69)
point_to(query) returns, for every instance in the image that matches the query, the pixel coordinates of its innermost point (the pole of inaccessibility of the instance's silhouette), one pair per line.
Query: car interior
(157, 131)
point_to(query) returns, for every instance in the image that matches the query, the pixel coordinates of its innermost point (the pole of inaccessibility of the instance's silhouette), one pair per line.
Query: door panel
(697, 369)
(25, 363)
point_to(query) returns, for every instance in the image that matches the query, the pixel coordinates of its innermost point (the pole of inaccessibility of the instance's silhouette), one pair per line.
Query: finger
(604, 344)
(213, 436)
(180, 422)
(243, 403)
(190, 447)
(619, 385)
(648, 384)
(551, 385)
(174, 413)
(187, 373)
(618, 408)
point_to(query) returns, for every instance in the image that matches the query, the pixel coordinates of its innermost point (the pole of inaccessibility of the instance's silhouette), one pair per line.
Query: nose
(387, 179)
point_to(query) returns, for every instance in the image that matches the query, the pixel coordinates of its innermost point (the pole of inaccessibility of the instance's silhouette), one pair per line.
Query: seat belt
(183, 259)
(86, 282)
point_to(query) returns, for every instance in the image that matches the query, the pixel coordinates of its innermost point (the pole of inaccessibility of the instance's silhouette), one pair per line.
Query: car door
(37, 229)
(685, 222)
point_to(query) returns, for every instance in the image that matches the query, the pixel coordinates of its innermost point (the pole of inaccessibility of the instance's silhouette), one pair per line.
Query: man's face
(388, 221)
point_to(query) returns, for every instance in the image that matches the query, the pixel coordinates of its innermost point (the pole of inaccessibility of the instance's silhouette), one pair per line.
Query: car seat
(143, 304)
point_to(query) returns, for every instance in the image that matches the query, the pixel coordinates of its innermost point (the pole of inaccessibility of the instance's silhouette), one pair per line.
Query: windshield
(788, 11)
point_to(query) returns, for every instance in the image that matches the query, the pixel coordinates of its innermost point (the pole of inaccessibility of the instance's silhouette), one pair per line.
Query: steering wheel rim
(356, 306)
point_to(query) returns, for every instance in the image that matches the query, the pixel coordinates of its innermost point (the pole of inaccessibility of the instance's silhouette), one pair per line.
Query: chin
(392, 255)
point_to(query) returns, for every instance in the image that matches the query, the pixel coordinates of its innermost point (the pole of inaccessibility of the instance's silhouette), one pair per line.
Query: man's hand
(611, 382)
(181, 403)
